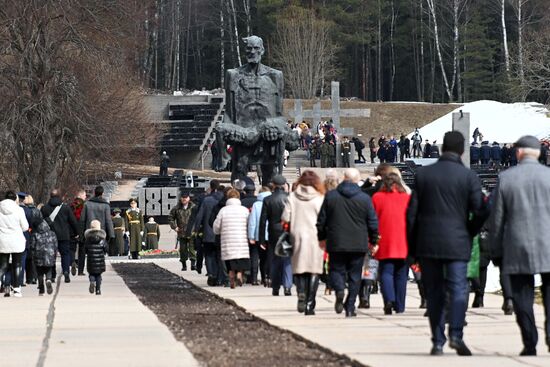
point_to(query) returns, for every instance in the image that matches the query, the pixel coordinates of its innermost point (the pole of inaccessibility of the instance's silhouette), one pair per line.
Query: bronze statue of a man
(253, 123)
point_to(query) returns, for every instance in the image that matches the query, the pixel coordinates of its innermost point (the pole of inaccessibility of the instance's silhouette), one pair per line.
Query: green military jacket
(183, 219)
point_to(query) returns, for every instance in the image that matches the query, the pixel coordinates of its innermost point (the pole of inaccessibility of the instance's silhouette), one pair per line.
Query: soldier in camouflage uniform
(325, 154)
(181, 220)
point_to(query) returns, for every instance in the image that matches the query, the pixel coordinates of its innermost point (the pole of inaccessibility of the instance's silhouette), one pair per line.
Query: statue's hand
(270, 134)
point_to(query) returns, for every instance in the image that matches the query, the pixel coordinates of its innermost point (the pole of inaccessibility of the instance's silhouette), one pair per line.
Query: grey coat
(97, 208)
(520, 217)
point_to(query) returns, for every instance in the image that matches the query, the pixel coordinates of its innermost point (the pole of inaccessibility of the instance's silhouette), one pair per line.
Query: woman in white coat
(12, 241)
(231, 225)
(301, 212)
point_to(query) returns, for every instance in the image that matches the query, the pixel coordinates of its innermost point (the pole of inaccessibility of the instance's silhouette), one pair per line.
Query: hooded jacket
(65, 225)
(12, 225)
(301, 212)
(96, 247)
(231, 224)
(254, 218)
(347, 220)
(43, 245)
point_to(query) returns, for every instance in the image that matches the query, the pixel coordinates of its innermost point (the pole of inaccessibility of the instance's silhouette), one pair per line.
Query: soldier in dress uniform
(346, 151)
(152, 234)
(119, 227)
(181, 219)
(134, 227)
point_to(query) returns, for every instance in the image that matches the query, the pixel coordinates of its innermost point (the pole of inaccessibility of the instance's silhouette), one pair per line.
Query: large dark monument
(253, 123)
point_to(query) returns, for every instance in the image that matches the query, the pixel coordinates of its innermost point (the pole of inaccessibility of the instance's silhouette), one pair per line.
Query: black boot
(67, 277)
(301, 290)
(41, 287)
(312, 286)
(508, 307)
(364, 296)
(374, 289)
(423, 303)
(388, 308)
(193, 267)
(478, 301)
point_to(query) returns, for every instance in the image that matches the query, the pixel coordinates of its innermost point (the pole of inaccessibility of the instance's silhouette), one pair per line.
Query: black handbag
(283, 248)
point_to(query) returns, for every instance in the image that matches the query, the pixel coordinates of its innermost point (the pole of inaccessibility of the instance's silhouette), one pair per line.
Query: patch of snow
(501, 122)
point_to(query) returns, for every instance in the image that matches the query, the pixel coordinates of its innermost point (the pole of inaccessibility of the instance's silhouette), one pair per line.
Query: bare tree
(67, 96)
(533, 69)
(305, 51)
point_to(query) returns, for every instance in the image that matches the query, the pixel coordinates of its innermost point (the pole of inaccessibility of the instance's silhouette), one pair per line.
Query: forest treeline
(380, 50)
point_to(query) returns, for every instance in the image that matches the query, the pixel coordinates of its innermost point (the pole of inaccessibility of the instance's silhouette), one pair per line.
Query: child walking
(43, 248)
(96, 247)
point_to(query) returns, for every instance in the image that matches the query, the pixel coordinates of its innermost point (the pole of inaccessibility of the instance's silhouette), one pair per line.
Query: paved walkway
(74, 327)
(378, 340)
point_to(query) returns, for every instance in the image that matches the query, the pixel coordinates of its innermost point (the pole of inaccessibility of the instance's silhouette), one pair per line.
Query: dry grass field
(386, 118)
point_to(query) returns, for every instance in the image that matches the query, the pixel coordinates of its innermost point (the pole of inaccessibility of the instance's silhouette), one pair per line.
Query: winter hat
(528, 141)
(95, 224)
(453, 141)
(279, 180)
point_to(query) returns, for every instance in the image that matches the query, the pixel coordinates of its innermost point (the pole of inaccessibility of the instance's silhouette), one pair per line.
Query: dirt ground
(217, 332)
(386, 118)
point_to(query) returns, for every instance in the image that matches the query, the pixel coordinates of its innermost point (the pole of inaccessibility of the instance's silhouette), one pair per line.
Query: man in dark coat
(485, 152)
(272, 210)
(62, 221)
(474, 154)
(519, 236)
(496, 154)
(359, 146)
(543, 154)
(97, 208)
(346, 224)
(202, 225)
(441, 238)
(164, 160)
(427, 150)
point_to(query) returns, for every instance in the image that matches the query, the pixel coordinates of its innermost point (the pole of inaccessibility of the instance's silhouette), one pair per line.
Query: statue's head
(254, 46)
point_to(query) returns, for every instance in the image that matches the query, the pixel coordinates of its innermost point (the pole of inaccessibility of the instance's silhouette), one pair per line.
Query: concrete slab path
(378, 340)
(74, 327)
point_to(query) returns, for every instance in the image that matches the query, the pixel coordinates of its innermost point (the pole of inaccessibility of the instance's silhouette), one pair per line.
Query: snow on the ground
(501, 122)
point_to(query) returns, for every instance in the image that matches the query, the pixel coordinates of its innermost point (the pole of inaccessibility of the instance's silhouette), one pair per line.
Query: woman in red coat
(391, 204)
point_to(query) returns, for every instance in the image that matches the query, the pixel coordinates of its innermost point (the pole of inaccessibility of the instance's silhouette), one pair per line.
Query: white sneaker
(17, 292)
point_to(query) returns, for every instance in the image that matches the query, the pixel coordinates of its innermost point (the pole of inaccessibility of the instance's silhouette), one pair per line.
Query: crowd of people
(81, 232)
(354, 235)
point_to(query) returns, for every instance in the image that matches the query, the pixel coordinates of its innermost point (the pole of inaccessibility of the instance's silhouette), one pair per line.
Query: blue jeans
(442, 277)
(281, 273)
(211, 260)
(393, 282)
(64, 248)
(23, 262)
(346, 266)
(95, 278)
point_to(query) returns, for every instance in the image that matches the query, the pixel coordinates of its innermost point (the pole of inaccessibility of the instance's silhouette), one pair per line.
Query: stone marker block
(461, 123)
